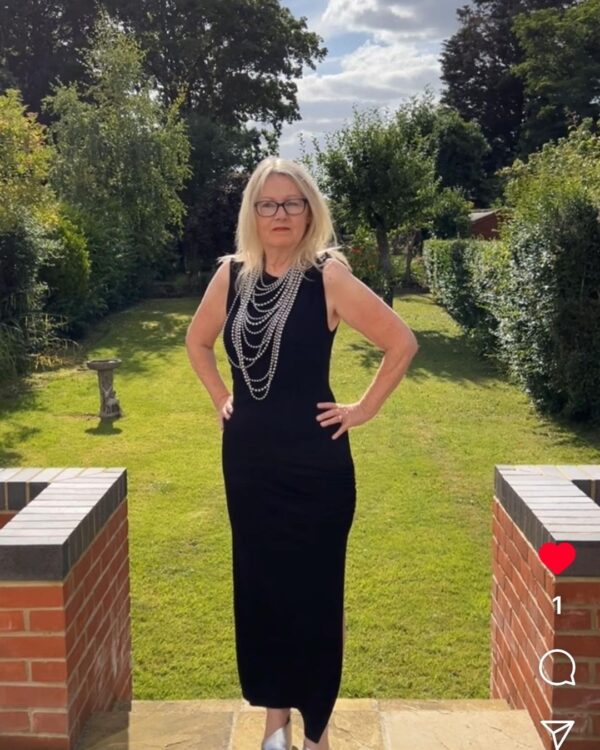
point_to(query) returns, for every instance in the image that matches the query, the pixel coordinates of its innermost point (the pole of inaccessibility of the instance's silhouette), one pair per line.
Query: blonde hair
(319, 232)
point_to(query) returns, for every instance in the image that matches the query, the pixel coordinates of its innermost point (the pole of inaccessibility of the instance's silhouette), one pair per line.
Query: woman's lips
(281, 229)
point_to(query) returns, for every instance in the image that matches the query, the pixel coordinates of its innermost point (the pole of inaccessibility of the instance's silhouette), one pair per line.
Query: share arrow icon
(559, 731)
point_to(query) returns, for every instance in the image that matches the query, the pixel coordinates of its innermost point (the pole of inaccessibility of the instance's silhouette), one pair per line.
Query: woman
(287, 465)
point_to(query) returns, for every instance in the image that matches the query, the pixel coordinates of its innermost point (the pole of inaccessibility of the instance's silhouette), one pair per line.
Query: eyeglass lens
(269, 208)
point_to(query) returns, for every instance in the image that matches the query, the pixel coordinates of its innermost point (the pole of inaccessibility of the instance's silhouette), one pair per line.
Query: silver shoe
(281, 739)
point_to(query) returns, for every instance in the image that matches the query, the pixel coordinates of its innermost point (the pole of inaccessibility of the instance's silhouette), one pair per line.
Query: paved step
(356, 724)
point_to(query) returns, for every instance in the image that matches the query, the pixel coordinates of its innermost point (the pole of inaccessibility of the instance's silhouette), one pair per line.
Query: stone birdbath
(109, 404)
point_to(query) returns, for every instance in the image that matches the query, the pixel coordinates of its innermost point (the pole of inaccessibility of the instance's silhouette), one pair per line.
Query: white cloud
(389, 18)
(400, 58)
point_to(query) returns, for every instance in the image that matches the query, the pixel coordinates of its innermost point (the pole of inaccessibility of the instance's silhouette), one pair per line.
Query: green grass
(419, 554)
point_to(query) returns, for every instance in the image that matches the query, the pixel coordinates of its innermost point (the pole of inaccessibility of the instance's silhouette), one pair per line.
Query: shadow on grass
(106, 427)
(153, 327)
(446, 356)
(135, 335)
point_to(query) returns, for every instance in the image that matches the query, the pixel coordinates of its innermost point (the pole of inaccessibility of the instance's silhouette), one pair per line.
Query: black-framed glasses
(292, 206)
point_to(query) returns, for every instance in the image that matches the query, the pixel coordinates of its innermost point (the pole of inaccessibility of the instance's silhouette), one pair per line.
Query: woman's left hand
(346, 415)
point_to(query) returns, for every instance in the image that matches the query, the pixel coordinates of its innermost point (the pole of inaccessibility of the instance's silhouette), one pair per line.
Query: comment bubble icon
(544, 675)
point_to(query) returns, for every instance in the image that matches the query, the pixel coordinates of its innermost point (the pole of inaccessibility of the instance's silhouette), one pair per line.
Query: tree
(561, 69)
(571, 164)
(25, 160)
(481, 82)
(122, 162)
(41, 42)
(380, 172)
(231, 65)
(459, 145)
(236, 60)
(461, 154)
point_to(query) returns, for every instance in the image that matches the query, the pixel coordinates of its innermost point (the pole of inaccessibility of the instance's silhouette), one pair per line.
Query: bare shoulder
(223, 272)
(332, 267)
(335, 271)
(357, 305)
(210, 315)
(219, 283)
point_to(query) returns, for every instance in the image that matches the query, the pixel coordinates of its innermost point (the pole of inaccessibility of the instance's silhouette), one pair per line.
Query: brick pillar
(533, 505)
(65, 641)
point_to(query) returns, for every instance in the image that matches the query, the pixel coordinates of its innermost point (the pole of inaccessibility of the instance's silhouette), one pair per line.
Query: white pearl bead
(276, 310)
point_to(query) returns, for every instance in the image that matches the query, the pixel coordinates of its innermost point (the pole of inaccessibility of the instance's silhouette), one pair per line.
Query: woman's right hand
(225, 409)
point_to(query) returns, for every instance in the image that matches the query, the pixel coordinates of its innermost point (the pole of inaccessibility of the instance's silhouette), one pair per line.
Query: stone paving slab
(460, 730)
(356, 724)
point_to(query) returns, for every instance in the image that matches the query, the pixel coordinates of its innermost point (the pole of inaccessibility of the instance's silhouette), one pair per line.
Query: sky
(380, 52)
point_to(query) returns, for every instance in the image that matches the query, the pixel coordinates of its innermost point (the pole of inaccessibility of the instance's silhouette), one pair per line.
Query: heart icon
(557, 557)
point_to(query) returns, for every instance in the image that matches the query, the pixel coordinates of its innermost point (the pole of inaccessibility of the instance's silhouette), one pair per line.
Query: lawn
(419, 553)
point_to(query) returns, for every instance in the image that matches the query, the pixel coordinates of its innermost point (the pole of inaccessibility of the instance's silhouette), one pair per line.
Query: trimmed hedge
(533, 304)
(464, 275)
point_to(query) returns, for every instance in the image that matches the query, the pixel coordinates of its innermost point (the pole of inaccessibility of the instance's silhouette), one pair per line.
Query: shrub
(65, 269)
(550, 308)
(26, 330)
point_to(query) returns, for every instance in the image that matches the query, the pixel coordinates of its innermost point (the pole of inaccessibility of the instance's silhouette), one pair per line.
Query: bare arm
(364, 311)
(202, 332)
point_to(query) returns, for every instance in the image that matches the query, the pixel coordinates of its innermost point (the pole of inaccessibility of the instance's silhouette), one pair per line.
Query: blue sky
(380, 52)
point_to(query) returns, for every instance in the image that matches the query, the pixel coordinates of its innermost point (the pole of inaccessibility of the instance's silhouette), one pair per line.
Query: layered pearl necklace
(273, 313)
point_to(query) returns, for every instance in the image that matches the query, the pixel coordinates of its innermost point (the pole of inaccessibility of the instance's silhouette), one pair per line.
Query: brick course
(533, 505)
(65, 635)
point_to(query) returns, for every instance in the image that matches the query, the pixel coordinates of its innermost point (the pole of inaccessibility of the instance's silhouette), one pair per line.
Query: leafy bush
(550, 319)
(26, 330)
(24, 161)
(65, 269)
(464, 276)
(122, 160)
(451, 214)
(533, 306)
(363, 255)
(532, 299)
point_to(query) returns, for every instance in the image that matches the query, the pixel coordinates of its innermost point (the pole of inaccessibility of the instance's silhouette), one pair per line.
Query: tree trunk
(385, 263)
(416, 240)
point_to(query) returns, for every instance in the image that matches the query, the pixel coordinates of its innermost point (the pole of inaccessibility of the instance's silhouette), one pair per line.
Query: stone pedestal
(109, 404)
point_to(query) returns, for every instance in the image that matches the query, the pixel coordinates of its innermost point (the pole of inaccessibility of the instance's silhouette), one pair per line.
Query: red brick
(562, 671)
(45, 722)
(49, 671)
(578, 592)
(511, 594)
(16, 696)
(13, 671)
(31, 742)
(15, 597)
(35, 647)
(578, 645)
(574, 619)
(582, 698)
(505, 564)
(51, 620)
(14, 721)
(11, 620)
(522, 590)
(523, 545)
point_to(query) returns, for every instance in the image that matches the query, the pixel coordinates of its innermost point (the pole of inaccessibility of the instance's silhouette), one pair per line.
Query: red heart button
(557, 557)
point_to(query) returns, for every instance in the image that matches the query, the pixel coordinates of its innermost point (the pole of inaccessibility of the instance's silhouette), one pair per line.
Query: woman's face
(282, 231)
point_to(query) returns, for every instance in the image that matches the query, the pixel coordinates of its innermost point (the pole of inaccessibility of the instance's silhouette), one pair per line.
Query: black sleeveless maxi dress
(291, 497)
